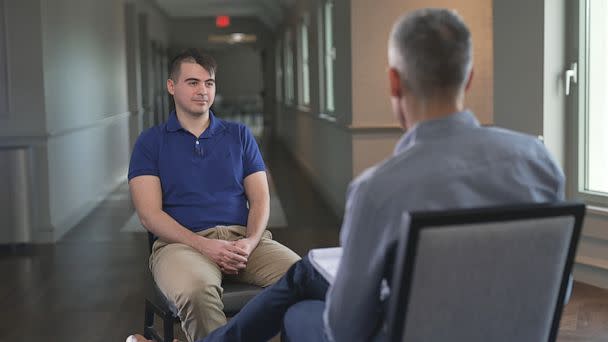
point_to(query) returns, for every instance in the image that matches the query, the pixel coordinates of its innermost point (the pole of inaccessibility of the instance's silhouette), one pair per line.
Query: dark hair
(192, 56)
(435, 49)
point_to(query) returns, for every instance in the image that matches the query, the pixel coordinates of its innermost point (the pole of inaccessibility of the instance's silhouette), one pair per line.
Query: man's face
(194, 89)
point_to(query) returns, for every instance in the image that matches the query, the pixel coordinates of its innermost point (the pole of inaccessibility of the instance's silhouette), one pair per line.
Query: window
(279, 69)
(303, 64)
(592, 101)
(597, 97)
(3, 64)
(327, 58)
(288, 70)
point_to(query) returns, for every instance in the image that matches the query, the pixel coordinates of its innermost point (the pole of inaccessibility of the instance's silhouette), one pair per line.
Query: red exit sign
(222, 21)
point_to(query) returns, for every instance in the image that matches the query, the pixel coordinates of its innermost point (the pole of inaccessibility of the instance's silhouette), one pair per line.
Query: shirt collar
(215, 126)
(173, 124)
(436, 128)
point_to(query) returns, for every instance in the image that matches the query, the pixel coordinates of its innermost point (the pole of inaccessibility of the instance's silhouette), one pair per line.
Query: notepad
(326, 261)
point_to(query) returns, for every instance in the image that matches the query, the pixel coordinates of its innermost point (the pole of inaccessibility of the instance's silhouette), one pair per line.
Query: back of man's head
(432, 50)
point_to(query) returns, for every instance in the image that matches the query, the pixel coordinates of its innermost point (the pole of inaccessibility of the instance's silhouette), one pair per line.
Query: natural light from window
(304, 67)
(597, 114)
(288, 70)
(329, 55)
(279, 67)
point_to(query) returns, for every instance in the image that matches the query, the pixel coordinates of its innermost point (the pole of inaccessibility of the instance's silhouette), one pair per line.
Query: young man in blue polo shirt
(199, 184)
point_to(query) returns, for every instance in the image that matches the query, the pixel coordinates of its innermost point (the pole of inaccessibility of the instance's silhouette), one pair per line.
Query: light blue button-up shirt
(447, 163)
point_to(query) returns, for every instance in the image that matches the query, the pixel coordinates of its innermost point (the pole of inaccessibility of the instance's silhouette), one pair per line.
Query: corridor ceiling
(270, 12)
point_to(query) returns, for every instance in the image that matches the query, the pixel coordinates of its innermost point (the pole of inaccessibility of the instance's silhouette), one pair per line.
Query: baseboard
(591, 271)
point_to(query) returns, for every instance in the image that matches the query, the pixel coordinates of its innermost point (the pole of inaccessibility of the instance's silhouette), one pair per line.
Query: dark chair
(492, 274)
(235, 296)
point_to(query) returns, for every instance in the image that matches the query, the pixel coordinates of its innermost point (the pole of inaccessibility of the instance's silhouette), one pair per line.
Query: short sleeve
(252, 158)
(144, 159)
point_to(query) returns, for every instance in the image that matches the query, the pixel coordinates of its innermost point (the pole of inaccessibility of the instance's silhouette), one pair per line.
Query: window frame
(327, 59)
(278, 54)
(304, 62)
(4, 75)
(288, 79)
(578, 107)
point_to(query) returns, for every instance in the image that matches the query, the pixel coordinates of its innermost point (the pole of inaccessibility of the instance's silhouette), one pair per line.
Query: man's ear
(394, 79)
(470, 80)
(171, 87)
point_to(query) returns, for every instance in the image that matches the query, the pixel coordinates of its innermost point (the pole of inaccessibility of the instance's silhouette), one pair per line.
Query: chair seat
(161, 302)
(236, 295)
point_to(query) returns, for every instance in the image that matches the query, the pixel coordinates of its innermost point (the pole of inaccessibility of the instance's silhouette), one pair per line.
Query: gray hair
(434, 52)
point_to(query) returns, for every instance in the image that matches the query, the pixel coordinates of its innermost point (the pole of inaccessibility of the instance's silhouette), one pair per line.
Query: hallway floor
(90, 286)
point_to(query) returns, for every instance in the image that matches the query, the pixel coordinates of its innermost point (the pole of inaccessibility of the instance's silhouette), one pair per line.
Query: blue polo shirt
(202, 178)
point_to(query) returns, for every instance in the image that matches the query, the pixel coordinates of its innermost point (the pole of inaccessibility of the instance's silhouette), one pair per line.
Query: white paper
(326, 261)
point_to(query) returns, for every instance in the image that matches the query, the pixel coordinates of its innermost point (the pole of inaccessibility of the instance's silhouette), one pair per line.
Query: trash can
(15, 196)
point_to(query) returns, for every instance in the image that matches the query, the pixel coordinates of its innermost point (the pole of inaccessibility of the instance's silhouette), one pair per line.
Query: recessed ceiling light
(233, 38)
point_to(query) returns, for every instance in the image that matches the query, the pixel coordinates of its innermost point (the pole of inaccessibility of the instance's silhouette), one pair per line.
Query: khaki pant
(193, 282)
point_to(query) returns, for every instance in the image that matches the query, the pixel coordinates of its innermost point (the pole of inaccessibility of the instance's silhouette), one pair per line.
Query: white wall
(23, 127)
(67, 92)
(24, 70)
(84, 166)
(84, 70)
(84, 62)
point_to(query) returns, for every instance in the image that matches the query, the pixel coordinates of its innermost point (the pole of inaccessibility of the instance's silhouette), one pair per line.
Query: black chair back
(489, 274)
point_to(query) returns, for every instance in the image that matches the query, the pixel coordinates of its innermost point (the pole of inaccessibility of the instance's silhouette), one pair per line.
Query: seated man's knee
(278, 269)
(304, 322)
(199, 294)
